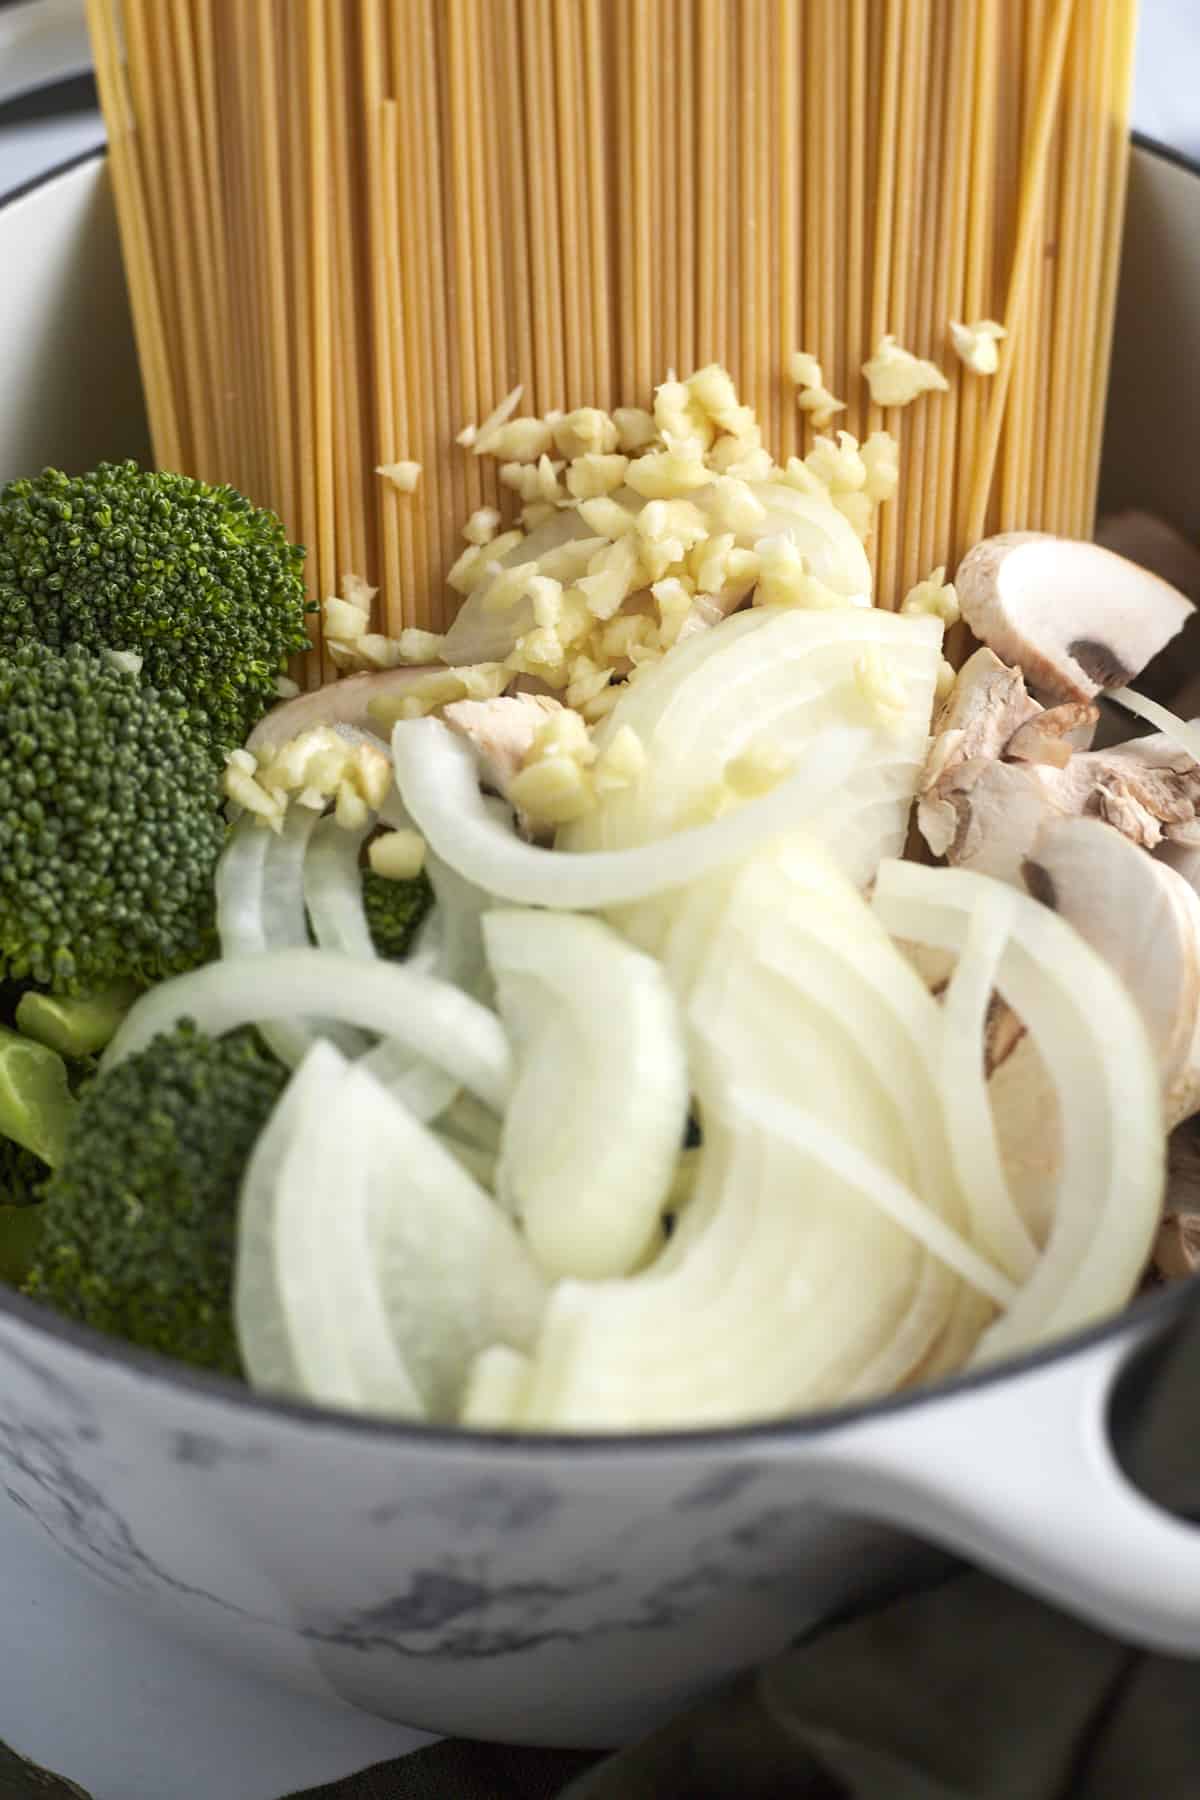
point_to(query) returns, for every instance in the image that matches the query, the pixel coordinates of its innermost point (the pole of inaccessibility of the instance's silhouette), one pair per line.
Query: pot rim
(1151, 1313)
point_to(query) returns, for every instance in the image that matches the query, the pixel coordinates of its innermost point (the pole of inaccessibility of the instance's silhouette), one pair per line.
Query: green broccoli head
(140, 1218)
(109, 825)
(196, 580)
(395, 910)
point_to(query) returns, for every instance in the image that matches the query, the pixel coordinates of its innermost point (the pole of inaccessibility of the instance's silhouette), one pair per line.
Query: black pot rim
(1153, 1312)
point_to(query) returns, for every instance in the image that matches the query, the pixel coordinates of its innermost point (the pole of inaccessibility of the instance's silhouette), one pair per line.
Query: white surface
(89, 1691)
(87, 1688)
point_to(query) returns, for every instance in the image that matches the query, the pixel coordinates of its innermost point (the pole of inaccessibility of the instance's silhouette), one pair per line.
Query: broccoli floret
(395, 910)
(22, 1175)
(140, 1217)
(109, 825)
(196, 580)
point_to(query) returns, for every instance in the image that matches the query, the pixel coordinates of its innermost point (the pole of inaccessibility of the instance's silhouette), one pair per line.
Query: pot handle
(1019, 1475)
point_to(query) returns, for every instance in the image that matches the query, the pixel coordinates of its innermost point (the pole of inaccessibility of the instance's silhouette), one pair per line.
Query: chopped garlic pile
(312, 769)
(673, 529)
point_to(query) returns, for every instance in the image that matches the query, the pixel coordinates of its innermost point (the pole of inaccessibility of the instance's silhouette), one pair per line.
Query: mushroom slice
(1144, 920)
(1076, 618)
(343, 702)
(987, 704)
(1054, 734)
(985, 815)
(501, 731)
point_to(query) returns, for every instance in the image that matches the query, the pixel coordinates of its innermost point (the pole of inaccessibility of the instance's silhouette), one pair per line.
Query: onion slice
(762, 688)
(437, 776)
(847, 1163)
(428, 1016)
(333, 890)
(997, 1225)
(372, 1270)
(1184, 732)
(1095, 1049)
(592, 1133)
(260, 906)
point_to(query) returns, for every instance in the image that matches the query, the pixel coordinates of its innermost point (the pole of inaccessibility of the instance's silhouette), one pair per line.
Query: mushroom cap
(341, 702)
(1074, 617)
(1144, 920)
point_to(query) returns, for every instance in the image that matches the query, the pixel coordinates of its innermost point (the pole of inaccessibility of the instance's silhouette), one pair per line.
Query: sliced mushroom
(342, 702)
(1177, 1246)
(1073, 616)
(987, 704)
(985, 815)
(1144, 920)
(501, 732)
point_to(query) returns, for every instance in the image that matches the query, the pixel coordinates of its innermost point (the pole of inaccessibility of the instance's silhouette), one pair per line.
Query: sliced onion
(432, 1018)
(1094, 1045)
(782, 1285)
(259, 885)
(480, 1164)
(264, 1339)
(494, 1389)
(333, 890)
(481, 635)
(775, 678)
(373, 1270)
(1184, 732)
(260, 906)
(997, 1225)
(453, 1275)
(437, 776)
(592, 1133)
(421, 1086)
(847, 1163)
(831, 548)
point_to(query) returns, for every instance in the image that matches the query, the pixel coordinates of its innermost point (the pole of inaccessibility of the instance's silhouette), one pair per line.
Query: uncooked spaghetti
(352, 226)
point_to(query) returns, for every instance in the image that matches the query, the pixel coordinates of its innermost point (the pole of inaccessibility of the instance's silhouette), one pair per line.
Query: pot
(551, 1590)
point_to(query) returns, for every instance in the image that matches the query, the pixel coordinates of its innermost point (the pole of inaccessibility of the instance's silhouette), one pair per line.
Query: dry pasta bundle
(353, 226)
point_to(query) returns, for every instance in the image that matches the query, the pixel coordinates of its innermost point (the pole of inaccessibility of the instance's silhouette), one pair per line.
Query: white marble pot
(550, 1590)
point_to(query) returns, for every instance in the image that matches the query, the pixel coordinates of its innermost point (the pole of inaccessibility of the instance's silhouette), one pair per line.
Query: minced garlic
(897, 377)
(403, 476)
(978, 345)
(397, 855)
(934, 595)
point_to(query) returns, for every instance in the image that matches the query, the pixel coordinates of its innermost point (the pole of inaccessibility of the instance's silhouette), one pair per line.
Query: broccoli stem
(75, 1025)
(36, 1105)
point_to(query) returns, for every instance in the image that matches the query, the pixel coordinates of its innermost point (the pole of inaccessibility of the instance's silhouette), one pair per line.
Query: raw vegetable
(592, 1132)
(396, 911)
(77, 1025)
(428, 1016)
(783, 1284)
(80, 906)
(372, 1269)
(435, 772)
(733, 711)
(139, 1217)
(36, 1105)
(1095, 1047)
(198, 583)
